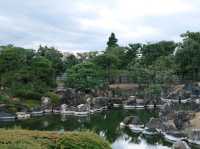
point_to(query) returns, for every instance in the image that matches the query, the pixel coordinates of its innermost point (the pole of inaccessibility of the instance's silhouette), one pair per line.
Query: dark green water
(106, 124)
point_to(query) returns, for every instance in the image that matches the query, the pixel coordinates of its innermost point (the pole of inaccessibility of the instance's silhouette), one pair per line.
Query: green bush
(31, 103)
(4, 99)
(82, 141)
(26, 139)
(26, 93)
(25, 144)
(54, 97)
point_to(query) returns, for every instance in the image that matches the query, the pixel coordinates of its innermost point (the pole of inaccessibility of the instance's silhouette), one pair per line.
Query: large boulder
(83, 107)
(100, 101)
(134, 120)
(140, 101)
(73, 97)
(131, 98)
(182, 119)
(63, 107)
(45, 101)
(169, 126)
(127, 120)
(155, 123)
(166, 109)
(116, 100)
(130, 102)
(194, 135)
(180, 145)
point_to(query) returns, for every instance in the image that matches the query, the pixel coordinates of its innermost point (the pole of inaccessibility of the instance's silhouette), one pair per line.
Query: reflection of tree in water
(106, 124)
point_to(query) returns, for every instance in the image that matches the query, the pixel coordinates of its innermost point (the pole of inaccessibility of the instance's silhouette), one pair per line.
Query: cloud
(85, 25)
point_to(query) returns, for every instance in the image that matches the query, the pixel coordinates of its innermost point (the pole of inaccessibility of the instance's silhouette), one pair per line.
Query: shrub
(26, 139)
(27, 93)
(4, 99)
(54, 97)
(82, 140)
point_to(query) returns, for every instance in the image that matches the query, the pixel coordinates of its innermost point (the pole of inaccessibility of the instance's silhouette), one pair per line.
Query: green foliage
(119, 53)
(82, 141)
(25, 92)
(108, 63)
(153, 89)
(25, 144)
(132, 53)
(31, 103)
(152, 51)
(188, 56)
(13, 58)
(26, 139)
(112, 41)
(84, 76)
(163, 70)
(54, 97)
(54, 56)
(4, 98)
(43, 70)
(27, 74)
(153, 92)
(139, 73)
(70, 61)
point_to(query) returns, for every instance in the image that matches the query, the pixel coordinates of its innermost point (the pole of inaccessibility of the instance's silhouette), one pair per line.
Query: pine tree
(112, 41)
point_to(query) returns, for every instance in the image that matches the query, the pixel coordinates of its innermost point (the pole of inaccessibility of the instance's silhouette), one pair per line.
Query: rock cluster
(180, 145)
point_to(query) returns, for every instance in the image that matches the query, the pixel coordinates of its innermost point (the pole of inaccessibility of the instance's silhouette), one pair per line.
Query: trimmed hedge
(26, 139)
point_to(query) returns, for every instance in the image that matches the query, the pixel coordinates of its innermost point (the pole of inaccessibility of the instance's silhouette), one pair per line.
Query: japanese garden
(140, 95)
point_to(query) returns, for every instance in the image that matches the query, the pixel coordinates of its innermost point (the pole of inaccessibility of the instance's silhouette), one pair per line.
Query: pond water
(106, 124)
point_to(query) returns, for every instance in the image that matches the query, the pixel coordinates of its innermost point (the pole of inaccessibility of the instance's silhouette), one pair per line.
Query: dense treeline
(28, 73)
(152, 65)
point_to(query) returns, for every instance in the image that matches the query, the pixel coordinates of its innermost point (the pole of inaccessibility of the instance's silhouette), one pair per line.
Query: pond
(106, 124)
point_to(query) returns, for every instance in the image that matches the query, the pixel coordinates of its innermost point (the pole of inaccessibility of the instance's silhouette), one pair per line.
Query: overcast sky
(82, 25)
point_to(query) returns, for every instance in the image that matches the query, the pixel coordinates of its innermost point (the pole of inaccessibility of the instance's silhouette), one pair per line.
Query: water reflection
(105, 124)
(125, 142)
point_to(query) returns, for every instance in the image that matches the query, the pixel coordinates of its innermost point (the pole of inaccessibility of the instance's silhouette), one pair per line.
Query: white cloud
(138, 8)
(141, 31)
(126, 16)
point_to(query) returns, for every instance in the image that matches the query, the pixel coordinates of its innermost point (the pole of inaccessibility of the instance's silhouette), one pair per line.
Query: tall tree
(25, 74)
(108, 63)
(132, 54)
(12, 58)
(54, 56)
(188, 56)
(85, 76)
(120, 54)
(70, 61)
(112, 41)
(152, 51)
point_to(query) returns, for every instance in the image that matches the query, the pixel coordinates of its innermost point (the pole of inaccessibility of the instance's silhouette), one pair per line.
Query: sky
(85, 25)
